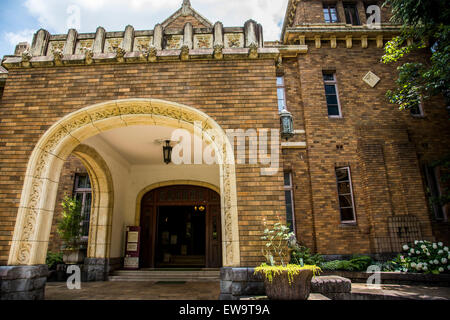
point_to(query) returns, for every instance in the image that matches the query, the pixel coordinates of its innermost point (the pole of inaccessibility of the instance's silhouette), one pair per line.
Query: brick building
(89, 115)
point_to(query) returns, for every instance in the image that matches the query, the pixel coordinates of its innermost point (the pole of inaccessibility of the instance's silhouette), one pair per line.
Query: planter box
(280, 289)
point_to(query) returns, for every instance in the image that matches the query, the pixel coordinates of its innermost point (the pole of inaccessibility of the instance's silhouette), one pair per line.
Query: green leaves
(422, 21)
(69, 228)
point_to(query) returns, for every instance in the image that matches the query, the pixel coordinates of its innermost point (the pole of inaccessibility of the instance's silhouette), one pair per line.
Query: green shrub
(54, 259)
(357, 263)
(302, 255)
(361, 263)
(69, 228)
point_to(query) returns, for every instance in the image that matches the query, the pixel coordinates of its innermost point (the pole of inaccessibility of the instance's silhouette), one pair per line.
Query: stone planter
(73, 256)
(280, 289)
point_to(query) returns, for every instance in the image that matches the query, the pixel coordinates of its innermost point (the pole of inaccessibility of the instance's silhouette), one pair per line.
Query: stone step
(165, 275)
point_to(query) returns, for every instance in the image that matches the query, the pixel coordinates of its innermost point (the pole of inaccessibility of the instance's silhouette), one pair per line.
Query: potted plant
(284, 281)
(69, 229)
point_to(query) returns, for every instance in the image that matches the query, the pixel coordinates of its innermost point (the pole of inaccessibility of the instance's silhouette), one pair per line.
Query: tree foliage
(425, 22)
(69, 228)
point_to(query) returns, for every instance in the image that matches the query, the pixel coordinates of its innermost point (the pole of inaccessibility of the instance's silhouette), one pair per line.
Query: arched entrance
(180, 227)
(34, 218)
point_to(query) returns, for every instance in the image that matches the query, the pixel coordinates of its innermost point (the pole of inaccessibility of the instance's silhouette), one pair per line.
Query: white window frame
(283, 86)
(351, 194)
(334, 83)
(290, 188)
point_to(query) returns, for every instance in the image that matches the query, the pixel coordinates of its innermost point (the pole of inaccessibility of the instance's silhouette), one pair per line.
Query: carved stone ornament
(152, 52)
(218, 52)
(253, 51)
(184, 55)
(58, 56)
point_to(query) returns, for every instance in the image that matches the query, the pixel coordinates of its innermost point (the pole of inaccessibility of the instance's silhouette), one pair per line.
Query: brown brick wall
(383, 146)
(237, 94)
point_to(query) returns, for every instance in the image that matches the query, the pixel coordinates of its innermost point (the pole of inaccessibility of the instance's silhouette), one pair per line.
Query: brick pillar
(23, 282)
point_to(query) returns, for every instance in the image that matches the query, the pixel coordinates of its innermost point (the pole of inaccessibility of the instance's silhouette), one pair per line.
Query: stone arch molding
(34, 218)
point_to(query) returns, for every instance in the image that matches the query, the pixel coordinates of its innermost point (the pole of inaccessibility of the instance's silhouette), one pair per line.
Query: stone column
(250, 32)
(188, 35)
(340, 11)
(218, 34)
(40, 43)
(71, 42)
(23, 282)
(158, 37)
(260, 36)
(128, 39)
(99, 42)
(361, 12)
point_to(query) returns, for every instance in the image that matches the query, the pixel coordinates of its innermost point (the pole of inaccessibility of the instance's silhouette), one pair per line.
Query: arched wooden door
(181, 227)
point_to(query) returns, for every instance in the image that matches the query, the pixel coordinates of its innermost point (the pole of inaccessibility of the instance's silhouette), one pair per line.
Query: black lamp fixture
(287, 124)
(167, 152)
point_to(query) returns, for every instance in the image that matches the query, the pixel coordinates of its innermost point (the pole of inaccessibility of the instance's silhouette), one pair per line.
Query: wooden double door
(181, 228)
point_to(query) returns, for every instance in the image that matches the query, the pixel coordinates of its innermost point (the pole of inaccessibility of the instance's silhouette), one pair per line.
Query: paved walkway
(134, 291)
(208, 291)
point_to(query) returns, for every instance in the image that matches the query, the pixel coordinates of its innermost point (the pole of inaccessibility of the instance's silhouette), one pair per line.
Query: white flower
(413, 265)
(434, 246)
(436, 261)
(440, 244)
(416, 242)
(428, 254)
(419, 266)
(423, 246)
(440, 252)
(405, 247)
(425, 268)
(444, 261)
(417, 252)
(431, 262)
(441, 269)
(446, 249)
(412, 250)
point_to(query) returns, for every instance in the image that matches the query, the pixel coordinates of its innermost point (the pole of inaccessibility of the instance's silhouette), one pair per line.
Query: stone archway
(100, 225)
(34, 218)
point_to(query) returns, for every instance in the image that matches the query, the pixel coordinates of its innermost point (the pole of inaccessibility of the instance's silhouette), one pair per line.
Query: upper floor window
(351, 14)
(330, 13)
(345, 193)
(281, 92)
(289, 199)
(331, 94)
(83, 193)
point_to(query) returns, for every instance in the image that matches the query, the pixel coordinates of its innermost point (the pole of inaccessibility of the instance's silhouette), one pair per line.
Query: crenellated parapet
(185, 36)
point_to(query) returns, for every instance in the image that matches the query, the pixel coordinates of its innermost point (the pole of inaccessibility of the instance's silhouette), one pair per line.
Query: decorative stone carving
(218, 51)
(234, 40)
(184, 55)
(113, 44)
(26, 57)
(89, 55)
(371, 79)
(253, 51)
(142, 43)
(82, 45)
(120, 53)
(203, 41)
(55, 45)
(152, 52)
(174, 42)
(58, 56)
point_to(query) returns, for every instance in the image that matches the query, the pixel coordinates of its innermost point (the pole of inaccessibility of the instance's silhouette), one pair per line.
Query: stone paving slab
(134, 291)
(396, 292)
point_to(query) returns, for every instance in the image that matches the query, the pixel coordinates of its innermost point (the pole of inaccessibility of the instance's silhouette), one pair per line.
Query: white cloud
(13, 38)
(114, 15)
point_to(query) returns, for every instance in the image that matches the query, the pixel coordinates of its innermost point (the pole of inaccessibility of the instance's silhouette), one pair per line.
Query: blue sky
(19, 19)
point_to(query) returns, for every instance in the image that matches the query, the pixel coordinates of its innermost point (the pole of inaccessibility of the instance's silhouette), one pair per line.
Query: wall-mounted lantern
(287, 124)
(167, 152)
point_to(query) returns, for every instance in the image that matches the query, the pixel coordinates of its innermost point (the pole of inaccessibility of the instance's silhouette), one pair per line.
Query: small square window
(330, 13)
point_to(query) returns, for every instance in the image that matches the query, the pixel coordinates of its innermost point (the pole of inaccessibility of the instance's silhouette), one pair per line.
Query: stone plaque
(234, 40)
(174, 42)
(142, 43)
(82, 45)
(371, 79)
(203, 41)
(111, 45)
(55, 45)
